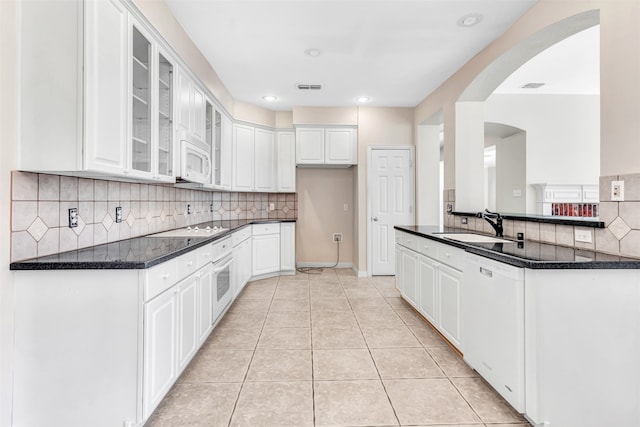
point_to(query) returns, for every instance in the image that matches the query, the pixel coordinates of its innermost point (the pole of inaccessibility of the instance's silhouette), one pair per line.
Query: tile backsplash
(621, 235)
(41, 203)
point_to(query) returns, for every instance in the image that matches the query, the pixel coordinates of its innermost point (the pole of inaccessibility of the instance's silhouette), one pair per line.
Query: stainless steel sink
(474, 238)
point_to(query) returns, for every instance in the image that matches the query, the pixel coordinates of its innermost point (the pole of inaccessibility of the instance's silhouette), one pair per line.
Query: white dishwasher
(493, 325)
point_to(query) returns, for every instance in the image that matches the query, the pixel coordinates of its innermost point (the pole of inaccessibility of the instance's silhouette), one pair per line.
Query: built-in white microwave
(195, 162)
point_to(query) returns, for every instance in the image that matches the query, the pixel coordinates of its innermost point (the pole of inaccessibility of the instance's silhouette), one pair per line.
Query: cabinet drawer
(453, 257)
(241, 235)
(187, 264)
(428, 247)
(411, 241)
(160, 278)
(261, 229)
(206, 255)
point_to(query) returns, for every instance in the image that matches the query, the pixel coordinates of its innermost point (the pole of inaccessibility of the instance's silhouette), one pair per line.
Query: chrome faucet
(489, 216)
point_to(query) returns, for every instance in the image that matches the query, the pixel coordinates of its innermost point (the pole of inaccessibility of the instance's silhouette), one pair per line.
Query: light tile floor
(328, 350)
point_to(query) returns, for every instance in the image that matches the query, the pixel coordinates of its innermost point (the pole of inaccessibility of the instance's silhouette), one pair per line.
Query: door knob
(375, 219)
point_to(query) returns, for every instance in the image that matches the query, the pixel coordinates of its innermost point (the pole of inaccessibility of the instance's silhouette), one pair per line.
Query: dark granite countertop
(545, 219)
(135, 253)
(527, 253)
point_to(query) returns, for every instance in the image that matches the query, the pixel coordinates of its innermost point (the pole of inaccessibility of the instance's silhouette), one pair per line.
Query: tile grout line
(246, 374)
(395, 414)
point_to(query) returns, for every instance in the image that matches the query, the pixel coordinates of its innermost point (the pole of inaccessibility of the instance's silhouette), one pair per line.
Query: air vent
(532, 85)
(308, 87)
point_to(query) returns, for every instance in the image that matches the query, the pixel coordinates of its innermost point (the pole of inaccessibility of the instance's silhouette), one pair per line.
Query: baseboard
(360, 273)
(325, 264)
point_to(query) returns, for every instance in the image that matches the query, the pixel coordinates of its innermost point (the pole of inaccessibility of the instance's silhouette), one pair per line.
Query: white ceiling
(394, 51)
(571, 66)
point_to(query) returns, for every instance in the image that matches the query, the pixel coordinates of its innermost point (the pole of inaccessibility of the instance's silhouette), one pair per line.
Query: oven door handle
(225, 265)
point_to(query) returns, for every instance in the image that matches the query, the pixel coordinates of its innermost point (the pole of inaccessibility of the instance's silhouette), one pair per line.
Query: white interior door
(391, 178)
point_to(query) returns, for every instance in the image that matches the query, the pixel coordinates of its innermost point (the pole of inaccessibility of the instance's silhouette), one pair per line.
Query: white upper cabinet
(264, 176)
(243, 140)
(106, 86)
(286, 165)
(198, 117)
(184, 100)
(150, 108)
(191, 107)
(226, 132)
(327, 146)
(73, 101)
(254, 159)
(340, 146)
(105, 109)
(309, 146)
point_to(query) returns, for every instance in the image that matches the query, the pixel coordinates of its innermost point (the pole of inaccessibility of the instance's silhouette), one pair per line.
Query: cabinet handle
(486, 272)
(206, 255)
(190, 263)
(164, 276)
(447, 254)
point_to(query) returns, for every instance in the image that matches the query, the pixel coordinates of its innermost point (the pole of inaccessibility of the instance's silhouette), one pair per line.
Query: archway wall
(547, 22)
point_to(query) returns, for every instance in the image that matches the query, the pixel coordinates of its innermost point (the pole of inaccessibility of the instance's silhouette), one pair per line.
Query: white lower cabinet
(409, 267)
(125, 336)
(449, 282)
(266, 248)
(428, 298)
(430, 278)
(205, 307)
(160, 338)
(288, 246)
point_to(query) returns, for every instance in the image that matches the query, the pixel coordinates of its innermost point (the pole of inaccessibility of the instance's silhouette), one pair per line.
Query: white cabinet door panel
(287, 246)
(160, 348)
(205, 303)
(187, 321)
(243, 158)
(286, 162)
(449, 281)
(309, 145)
(106, 77)
(428, 288)
(340, 146)
(264, 160)
(410, 277)
(266, 254)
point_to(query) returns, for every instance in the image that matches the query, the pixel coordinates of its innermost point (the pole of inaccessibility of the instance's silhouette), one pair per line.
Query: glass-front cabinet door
(141, 103)
(217, 151)
(165, 121)
(152, 111)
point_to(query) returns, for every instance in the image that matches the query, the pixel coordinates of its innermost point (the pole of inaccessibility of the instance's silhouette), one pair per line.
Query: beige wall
(254, 114)
(619, 85)
(322, 194)
(284, 119)
(8, 161)
(376, 126)
(325, 115)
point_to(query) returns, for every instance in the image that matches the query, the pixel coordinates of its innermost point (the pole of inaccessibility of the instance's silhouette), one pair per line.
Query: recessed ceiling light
(470, 20)
(270, 98)
(363, 99)
(313, 52)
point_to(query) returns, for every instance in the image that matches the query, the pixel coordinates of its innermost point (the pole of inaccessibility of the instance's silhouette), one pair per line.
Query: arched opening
(561, 121)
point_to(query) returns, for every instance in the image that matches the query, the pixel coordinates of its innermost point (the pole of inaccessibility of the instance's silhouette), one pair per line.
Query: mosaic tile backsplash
(621, 235)
(41, 203)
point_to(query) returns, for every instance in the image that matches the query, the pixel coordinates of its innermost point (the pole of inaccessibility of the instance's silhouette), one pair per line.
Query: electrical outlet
(583, 235)
(272, 207)
(617, 191)
(346, 207)
(337, 237)
(118, 214)
(464, 220)
(73, 217)
(188, 209)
